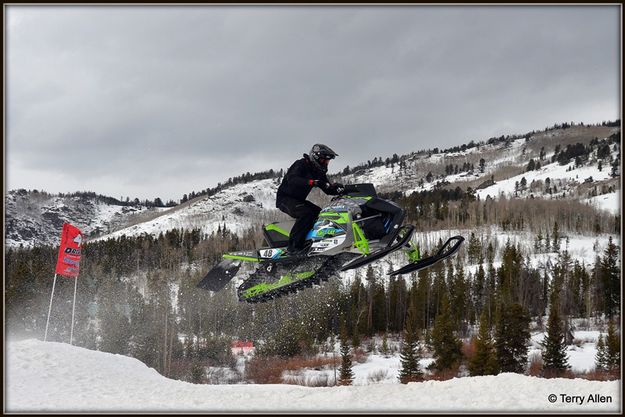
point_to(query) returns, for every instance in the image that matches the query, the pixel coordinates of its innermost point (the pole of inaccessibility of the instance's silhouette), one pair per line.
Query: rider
(305, 173)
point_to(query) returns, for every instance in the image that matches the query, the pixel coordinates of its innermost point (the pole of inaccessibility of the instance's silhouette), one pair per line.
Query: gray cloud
(153, 101)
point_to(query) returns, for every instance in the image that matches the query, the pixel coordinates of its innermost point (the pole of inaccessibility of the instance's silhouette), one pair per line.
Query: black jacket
(296, 181)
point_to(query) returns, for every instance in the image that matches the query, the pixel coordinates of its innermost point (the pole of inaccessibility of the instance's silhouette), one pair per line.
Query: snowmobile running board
(443, 252)
(365, 259)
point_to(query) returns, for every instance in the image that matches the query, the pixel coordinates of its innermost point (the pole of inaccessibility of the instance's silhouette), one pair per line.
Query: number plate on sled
(270, 253)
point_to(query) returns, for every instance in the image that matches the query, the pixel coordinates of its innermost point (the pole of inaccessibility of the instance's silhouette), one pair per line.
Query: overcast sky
(159, 101)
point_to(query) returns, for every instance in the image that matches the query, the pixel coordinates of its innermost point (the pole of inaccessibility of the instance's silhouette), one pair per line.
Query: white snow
(555, 172)
(57, 377)
(378, 369)
(610, 202)
(580, 358)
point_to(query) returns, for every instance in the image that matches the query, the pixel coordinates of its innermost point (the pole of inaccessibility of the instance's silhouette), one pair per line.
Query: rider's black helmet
(320, 156)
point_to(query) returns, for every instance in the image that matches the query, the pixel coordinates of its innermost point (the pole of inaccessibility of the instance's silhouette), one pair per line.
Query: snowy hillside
(569, 179)
(56, 377)
(34, 218)
(564, 176)
(491, 168)
(238, 208)
(608, 202)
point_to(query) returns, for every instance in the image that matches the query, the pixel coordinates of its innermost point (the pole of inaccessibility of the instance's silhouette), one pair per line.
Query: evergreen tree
(409, 356)
(460, 298)
(613, 348)
(474, 250)
(357, 309)
(556, 237)
(397, 297)
(538, 243)
(554, 356)
(439, 290)
(421, 298)
(601, 358)
(509, 274)
(610, 279)
(485, 360)
(479, 288)
(346, 374)
(384, 349)
(356, 337)
(511, 337)
(445, 344)
(196, 373)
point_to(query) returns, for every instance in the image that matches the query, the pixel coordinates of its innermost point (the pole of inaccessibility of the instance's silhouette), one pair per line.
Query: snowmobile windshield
(360, 190)
(352, 205)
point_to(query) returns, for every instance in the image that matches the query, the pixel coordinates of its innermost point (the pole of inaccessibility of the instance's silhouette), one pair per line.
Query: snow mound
(56, 377)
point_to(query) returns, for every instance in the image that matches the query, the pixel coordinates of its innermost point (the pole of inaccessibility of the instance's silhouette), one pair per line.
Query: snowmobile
(355, 229)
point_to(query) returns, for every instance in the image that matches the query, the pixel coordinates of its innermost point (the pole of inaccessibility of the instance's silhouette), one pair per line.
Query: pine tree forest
(138, 297)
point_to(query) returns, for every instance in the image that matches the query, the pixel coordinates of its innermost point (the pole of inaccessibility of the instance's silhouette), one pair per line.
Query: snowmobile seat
(276, 234)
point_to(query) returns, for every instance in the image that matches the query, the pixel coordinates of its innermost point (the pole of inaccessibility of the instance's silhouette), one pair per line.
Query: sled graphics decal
(275, 228)
(324, 229)
(327, 244)
(241, 256)
(366, 198)
(270, 253)
(339, 218)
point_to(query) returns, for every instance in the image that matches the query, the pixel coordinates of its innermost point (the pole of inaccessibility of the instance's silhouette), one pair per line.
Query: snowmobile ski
(366, 259)
(445, 251)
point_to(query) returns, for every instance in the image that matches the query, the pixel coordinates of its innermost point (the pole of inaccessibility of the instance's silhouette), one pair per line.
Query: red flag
(68, 263)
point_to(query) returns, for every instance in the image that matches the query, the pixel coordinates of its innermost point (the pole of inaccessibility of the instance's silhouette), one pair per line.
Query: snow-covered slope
(36, 218)
(564, 176)
(609, 202)
(56, 377)
(237, 208)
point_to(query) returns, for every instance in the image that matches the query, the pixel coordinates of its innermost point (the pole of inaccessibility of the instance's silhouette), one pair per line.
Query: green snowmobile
(355, 229)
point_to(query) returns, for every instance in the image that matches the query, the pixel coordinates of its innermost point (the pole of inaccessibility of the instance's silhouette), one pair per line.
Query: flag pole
(71, 334)
(45, 337)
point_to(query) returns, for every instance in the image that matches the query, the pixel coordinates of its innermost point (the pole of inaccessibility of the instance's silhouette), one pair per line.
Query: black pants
(305, 214)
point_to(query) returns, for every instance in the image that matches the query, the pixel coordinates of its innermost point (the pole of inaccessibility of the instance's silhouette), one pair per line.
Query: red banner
(68, 263)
